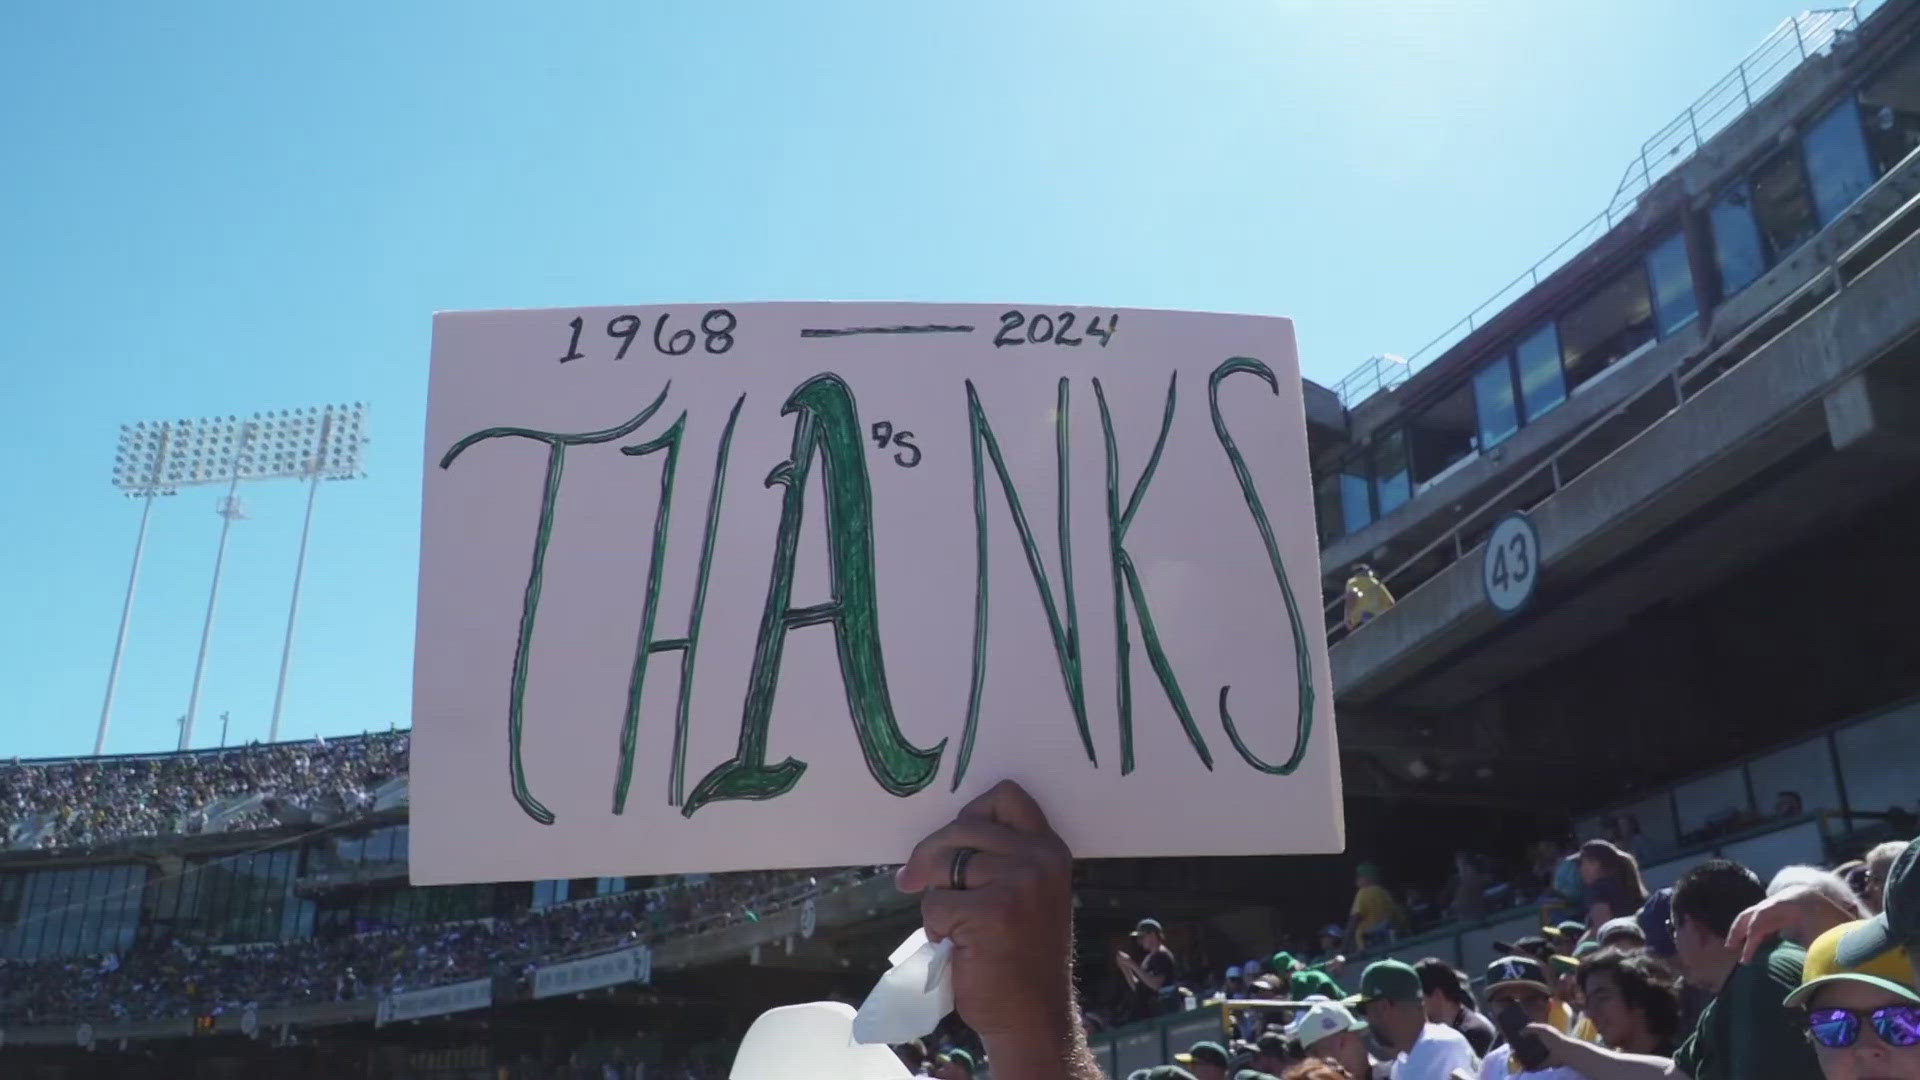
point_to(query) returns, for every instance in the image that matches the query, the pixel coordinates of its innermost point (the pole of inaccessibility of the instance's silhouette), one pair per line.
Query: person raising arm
(998, 882)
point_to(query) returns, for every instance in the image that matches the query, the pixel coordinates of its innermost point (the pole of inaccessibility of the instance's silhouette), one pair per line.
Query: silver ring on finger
(957, 870)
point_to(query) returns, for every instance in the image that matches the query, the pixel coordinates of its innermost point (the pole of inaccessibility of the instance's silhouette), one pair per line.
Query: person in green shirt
(1747, 1032)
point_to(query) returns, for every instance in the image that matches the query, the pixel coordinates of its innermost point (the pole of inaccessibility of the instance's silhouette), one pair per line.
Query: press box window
(1782, 205)
(1391, 483)
(1543, 385)
(1736, 240)
(1837, 162)
(1674, 305)
(1890, 107)
(1443, 435)
(1495, 404)
(1606, 326)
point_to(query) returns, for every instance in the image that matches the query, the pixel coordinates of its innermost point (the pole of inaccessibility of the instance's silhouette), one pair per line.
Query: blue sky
(215, 208)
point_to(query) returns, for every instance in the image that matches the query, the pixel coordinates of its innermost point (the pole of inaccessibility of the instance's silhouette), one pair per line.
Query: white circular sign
(1510, 566)
(83, 1036)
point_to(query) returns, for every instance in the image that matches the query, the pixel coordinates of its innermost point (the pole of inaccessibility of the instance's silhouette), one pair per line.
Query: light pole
(312, 444)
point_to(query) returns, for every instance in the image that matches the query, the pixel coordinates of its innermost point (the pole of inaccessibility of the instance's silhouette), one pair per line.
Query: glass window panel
(1356, 501)
(1782, 205)
(1712, 805)
(1837, 163)
(1876, 760)
(1326, 509)
(1736, 240)
(401, 838)
(1890, 106)
(1391, 483)
(1495, 408)
(1444, 434)
(1606, 326)
(1543, 385)
(1674, 305)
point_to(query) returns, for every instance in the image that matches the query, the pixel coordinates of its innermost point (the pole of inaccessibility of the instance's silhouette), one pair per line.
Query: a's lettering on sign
(434, 1001)
(594, 972)
(738, 586)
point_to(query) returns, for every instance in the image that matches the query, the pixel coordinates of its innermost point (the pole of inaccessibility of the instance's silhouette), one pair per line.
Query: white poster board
(777, 585)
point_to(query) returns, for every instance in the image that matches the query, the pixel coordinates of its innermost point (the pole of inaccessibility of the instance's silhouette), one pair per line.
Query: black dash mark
(853, 330)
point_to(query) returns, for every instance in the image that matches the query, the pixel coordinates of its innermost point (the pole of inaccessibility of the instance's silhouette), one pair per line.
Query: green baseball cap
(1169, 1072)
(1284, 962)
(960, 1056)
(1212, 1053)
(1305, 984)
(1898, 925)
(1389, 980)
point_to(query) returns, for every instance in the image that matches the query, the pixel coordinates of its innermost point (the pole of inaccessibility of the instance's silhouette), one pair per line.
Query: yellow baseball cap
(1890, 971)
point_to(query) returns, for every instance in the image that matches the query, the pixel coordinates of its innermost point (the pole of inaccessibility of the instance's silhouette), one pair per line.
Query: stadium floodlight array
(159, 458)
(156, 458)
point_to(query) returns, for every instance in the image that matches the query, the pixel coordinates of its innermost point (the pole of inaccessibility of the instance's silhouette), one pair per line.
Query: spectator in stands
(1623, 832)
(1519, 984)
(1612, 882)
(1233, 987)
(1270, 1055)
(1315, 1069)
(1448, 1000)
(955, 1064)
(1154, 976)
(1879, 861)
(1788, 804)
(1747, 1032)
(913, 1055)
(1373, 915)
(1864, 1019)
(1467, 900)
(1330, 1032)
(1330, 938)
(1565, 935)
(1633, 1001)
(1391, 1001)
(1205, 1060)
(1367, 597)
(1621, 933)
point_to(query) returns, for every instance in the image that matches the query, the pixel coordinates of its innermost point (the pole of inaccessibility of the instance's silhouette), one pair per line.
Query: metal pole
(126, 617)
(299, 570)
(229, 509)
(223, 729)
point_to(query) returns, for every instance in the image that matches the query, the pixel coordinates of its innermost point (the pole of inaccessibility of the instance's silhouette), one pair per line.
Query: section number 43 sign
(1510, 566)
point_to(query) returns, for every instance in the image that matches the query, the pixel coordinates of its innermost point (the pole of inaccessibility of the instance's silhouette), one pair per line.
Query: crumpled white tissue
(913, 996)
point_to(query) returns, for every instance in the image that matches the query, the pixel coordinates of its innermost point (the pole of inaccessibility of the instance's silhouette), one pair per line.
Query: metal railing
(1758, 74)
(1678, 384)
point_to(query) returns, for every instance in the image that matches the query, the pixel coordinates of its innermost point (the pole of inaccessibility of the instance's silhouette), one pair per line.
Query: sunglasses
(1897, 1025)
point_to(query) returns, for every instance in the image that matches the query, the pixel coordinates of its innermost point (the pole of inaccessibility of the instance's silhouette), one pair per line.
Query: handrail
(1758, 74)
(1677, 379)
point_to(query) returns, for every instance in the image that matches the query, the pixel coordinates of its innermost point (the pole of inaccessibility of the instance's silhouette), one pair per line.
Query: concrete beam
(1874, 415)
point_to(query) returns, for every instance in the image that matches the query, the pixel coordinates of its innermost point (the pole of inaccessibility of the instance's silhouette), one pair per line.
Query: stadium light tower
(312, 444)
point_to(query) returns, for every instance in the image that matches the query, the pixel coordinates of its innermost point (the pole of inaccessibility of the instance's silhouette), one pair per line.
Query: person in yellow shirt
(1367, 597)
(1374, 913)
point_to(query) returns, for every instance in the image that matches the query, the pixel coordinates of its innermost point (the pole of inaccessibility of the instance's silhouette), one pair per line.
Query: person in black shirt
(1448, 1001)
(1155, 975)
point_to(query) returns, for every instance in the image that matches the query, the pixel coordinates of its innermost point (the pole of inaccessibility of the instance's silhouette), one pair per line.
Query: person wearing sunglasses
(1864, 1020)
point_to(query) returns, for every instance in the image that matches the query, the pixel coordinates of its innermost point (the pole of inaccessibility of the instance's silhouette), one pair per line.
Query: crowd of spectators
(89, 802)
(157, 978)
(1716, 978)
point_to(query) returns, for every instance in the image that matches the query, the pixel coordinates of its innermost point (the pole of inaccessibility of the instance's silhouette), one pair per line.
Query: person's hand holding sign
(998, 882)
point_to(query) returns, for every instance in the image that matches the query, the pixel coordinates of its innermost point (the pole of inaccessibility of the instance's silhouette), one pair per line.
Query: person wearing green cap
(954, 1065)
(1206, 1060)
(1306, 984)
(1393, 1006)
(1284, 964)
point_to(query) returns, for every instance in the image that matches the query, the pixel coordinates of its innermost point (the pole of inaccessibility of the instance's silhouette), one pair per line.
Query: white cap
(1324, 1019)
(811, 1042)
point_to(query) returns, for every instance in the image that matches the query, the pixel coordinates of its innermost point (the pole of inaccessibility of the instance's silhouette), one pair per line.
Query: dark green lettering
(1303, 665)
(825, 422)
(1066, 639)
(1126, 584)
(556, 461)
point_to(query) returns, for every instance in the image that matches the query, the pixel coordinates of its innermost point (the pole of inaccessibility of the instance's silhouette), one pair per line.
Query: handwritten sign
(776, 585)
